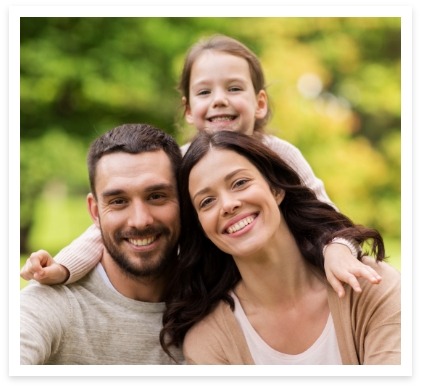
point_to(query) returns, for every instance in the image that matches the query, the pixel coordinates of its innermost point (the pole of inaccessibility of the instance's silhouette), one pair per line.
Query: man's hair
(132, 139)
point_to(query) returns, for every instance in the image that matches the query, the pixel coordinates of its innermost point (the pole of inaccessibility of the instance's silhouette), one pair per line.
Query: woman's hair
(230, 46)
(205, 275)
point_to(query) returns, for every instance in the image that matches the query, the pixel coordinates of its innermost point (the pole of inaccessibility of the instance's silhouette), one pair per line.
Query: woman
(251, 268)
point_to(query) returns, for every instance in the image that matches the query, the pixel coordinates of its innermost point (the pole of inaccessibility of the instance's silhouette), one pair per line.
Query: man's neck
(141, 289)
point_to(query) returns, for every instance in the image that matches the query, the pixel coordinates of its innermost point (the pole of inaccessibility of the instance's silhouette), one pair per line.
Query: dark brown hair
(205, 274)
(230, 46)
(132, 139)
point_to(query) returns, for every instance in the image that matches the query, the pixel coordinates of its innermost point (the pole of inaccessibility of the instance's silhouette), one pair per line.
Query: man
(113, 315)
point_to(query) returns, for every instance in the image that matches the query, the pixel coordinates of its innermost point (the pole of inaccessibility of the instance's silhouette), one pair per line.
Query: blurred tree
(334, 85)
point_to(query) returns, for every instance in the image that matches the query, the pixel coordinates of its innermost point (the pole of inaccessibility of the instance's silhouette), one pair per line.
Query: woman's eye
(240, 182)
(205, 202)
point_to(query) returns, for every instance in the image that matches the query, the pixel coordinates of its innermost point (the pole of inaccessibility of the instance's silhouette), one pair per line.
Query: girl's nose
(220, 99)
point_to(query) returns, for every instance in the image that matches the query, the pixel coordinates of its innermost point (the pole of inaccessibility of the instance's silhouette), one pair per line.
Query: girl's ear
(187, 111)
(262, 105)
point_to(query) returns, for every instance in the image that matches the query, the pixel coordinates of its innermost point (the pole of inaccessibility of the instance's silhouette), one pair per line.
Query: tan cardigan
(368, 327)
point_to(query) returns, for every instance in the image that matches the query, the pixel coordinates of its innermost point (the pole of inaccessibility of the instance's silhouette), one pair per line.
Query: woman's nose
(230, 203)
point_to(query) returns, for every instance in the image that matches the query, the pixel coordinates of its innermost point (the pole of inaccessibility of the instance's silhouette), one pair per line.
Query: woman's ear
(279, 196)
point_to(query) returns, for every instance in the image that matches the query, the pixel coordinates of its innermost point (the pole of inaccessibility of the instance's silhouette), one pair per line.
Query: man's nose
(140, 216)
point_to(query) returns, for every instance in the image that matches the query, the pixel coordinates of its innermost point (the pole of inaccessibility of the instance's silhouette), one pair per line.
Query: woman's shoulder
(217, 339)
(384, 269)
(216, 322)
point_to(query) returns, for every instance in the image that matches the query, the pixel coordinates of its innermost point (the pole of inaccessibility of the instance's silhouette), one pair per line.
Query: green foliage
(334, 86)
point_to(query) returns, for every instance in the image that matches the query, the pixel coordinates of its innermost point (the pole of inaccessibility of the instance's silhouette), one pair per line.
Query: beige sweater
(367, 325)
(89, 323)
(84, 253)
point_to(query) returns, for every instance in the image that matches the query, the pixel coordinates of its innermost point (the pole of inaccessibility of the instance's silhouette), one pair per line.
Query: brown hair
(205, 274)
(230, 46)
(132, 139)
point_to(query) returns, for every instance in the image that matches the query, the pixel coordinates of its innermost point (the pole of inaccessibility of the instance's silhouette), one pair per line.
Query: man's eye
(157, 196)
(118, 201)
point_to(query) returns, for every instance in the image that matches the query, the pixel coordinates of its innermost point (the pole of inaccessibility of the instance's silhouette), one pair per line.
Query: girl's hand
(342, 267)
(41, 267)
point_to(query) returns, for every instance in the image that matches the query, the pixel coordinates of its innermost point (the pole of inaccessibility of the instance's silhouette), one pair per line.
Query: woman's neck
(276, 274)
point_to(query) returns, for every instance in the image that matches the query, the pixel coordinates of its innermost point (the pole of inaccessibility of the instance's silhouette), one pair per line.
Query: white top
(324, 351)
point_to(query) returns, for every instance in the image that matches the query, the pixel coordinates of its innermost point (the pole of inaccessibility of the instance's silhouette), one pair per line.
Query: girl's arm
(70, 264)
(349, 268)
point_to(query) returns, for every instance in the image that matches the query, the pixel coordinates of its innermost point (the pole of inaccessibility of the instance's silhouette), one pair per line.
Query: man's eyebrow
(112, 193)
(160, 186)
(148, 189)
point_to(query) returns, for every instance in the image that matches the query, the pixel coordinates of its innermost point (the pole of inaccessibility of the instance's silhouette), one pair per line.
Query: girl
(223, 88)
(250, 253)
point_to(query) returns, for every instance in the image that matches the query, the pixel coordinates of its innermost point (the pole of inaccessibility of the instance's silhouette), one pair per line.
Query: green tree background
(334, 86)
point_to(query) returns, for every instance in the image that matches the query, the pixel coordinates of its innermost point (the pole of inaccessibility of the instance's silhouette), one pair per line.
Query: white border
(15, 369)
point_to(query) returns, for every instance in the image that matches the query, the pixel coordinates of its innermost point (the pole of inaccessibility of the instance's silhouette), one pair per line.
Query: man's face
(137, 210)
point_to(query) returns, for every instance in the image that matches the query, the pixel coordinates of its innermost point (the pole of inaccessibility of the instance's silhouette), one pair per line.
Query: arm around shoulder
(82, 254)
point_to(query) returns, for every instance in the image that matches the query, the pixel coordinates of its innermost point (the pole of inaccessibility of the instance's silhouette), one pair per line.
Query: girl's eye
(235, 89)
(203, 92)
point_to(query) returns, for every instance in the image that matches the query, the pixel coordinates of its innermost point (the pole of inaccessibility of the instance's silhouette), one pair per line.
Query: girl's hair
(205, 275)
(230, 46)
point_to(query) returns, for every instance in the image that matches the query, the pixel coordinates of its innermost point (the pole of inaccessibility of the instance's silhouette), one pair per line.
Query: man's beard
(151, 264)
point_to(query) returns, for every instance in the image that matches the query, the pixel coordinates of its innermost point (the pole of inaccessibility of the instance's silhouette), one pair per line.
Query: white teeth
(142, 242)
(240, 225)
(221, 118)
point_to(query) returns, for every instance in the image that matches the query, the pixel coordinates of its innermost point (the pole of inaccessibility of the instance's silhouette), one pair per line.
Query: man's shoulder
(57, 290)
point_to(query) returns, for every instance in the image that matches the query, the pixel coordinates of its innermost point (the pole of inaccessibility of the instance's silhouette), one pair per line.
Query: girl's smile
(222, 96)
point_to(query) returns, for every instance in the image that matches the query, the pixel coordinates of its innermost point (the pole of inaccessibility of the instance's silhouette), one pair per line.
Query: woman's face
(236, 207)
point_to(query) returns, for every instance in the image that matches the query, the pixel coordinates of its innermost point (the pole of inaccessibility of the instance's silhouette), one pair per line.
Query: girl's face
(222, 96)
(236, 207)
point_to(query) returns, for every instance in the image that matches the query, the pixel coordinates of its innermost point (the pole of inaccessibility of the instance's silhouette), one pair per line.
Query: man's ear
(93, 208)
